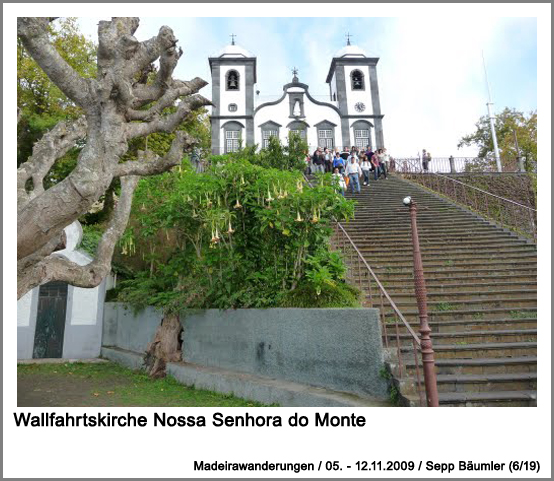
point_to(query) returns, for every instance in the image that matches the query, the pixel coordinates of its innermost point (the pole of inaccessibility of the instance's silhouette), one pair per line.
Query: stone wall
(338, 349)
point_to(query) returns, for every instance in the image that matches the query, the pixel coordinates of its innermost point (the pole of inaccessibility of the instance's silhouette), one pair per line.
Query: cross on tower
(294, 73)
(348, 38)
(232, 38)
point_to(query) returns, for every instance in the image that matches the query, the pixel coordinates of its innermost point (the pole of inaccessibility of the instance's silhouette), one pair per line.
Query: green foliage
(444, 306)
(337, 294)
(507, 123)
(91, 236)
(40, 103)
(275, 156)
(239, 235)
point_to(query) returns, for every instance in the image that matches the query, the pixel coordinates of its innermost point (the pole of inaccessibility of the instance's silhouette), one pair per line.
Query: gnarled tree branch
(55, 267)
(146, 165)
(46, 151)
(170, 122)
(168, 99)
(111, 103)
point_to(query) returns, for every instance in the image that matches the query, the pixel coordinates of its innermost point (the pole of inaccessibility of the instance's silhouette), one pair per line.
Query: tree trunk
(166, 346)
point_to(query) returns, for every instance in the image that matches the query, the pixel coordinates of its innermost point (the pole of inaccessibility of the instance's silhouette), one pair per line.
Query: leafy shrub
(239, 235)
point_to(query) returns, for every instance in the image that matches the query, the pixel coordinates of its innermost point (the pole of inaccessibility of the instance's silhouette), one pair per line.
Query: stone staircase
(482, 293)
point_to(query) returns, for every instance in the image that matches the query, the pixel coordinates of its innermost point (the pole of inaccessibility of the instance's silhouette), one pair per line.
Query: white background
(441, 435)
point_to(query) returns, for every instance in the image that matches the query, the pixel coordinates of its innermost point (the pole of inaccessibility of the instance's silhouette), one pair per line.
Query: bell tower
(233, 72)
(354, 89)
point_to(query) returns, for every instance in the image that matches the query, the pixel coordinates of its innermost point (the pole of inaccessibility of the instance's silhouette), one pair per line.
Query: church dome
(234, 51)
(351, 51)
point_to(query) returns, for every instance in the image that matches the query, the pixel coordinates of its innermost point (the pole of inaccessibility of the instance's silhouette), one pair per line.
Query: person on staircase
(375, 165)
(318, 161)
(354, 172)
(345, 154)
(328, 155)
(340, 180)
(382, 157)
(338, 162)
(366, 168)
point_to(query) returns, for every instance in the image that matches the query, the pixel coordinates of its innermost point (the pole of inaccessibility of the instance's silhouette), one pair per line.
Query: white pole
(491, 119)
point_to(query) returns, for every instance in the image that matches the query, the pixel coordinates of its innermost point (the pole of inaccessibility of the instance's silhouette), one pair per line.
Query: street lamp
(427, 353)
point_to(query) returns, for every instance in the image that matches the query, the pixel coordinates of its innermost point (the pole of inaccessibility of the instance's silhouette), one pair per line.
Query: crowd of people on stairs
(351, 167)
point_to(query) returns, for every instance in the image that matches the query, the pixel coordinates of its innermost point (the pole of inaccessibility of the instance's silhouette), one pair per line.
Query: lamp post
(427, 353)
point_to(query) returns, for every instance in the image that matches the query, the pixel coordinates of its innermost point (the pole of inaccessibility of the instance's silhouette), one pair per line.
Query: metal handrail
(381, 287)
(483, 191)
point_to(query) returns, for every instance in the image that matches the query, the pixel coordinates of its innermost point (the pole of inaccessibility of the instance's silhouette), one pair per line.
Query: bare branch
(168, 99)
(150, 50)
(55, 267)
(170, 122)
(109, 33)
(46, 151)
(147, 166)
(33, 32)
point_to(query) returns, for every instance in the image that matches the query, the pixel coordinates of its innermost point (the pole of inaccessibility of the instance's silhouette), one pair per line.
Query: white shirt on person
(353, 168)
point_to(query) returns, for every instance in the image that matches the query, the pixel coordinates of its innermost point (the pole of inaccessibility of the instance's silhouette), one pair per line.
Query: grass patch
(523, 315)
(444, 306)
(108, 384)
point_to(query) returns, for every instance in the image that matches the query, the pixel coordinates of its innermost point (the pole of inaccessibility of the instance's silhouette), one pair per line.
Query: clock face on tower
(360, 107)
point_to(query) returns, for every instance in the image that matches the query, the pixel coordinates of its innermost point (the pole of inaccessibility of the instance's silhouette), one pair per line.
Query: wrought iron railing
(509, 214)
(361, 275)
(451, 165)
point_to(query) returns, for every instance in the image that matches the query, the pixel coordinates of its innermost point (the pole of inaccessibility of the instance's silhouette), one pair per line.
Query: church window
(232, 80)
(302, 133)
(233, 107)
(266, 135)
(357, 80)
(325, 138)
(232, 140)
(361, 138)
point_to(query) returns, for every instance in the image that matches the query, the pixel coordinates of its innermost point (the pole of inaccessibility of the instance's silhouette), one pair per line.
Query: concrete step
(467, 288)
(452, 282)
(515, 314)
(489, 294)
(489, 398)
(247, 386)
(482, 350)
(525, 381)
(453, 261)
(266, 390)
(446, 254)
(476, 324)
(363, 240)
(482, 366)
(385, 273)
(470, 337)
(437, 307)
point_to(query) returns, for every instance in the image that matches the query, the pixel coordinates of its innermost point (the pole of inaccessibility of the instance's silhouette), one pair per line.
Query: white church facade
(351, 115)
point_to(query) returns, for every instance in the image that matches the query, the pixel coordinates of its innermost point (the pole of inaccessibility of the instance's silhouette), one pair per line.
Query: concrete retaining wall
(339, 349)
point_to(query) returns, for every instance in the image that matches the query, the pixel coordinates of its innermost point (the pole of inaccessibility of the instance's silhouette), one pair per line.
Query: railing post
(427, 353)
(452, 165)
